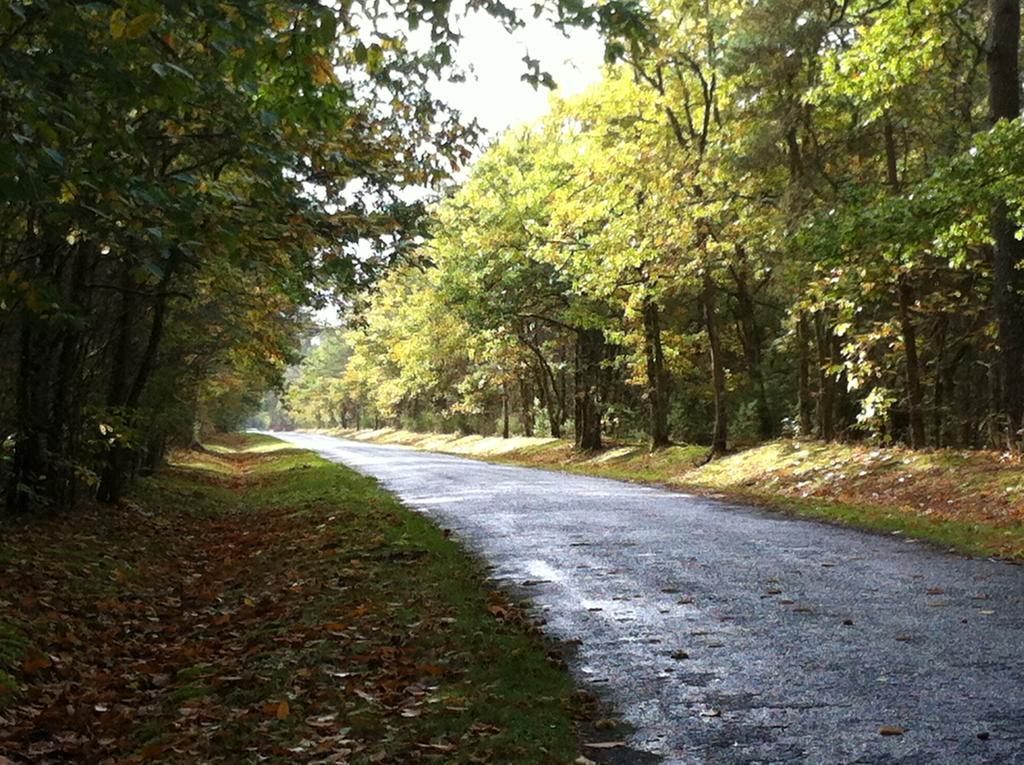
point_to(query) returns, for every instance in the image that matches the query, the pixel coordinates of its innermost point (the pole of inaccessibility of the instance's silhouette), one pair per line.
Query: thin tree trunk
(913, 368)
(657, 377)
(548, 391)
(109, 489)
(28, 465)
(719, 435)
(589, 351)
(41, 471)
(826, 381)
(129, 395)
(526, 406)
(1004, 103)
(562, 392)
(939, 382)
(996, 434)
(905, 294)
(805, 403)
(505, 433)
(753, 352)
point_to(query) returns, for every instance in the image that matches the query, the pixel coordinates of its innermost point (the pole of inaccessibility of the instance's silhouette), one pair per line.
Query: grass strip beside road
(970, 502)
(255, 603)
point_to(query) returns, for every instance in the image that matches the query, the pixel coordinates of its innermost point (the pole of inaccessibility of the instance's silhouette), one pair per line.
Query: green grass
(504, 677)
(299, 581)
(974, 539)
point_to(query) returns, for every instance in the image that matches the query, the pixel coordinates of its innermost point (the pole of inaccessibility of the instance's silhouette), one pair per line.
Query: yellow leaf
(323, 73)
(117, 24)
(140, 25)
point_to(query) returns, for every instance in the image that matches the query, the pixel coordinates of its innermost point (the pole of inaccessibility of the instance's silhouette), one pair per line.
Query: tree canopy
(788, 216)
(776, 217)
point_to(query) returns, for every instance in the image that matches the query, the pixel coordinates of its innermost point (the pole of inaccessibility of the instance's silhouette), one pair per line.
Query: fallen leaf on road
(891, 730)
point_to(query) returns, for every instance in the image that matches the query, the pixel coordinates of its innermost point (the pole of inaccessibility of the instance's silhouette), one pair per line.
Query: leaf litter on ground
(264, 607)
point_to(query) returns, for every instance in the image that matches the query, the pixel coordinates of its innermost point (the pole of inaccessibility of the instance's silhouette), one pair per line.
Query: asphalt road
(726, 634)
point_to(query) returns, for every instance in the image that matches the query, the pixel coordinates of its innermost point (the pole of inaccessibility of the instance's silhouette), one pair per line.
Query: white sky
(495, 95)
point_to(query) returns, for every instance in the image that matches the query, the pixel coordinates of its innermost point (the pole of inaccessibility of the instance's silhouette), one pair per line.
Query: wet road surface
(727, 634)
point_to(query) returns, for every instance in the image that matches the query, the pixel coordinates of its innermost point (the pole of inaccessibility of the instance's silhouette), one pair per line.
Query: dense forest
(784, 217)
(181, 185)
(775, 217)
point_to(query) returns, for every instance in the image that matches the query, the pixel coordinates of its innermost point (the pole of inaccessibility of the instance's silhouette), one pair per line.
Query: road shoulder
(254, 601)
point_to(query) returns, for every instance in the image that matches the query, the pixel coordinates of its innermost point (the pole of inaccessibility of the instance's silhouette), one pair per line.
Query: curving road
(725, 634)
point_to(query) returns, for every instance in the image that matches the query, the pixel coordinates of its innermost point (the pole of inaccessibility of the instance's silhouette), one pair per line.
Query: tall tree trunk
(127, 389)
(805, 402)
(526, 405)
(505, 416)
(110, 486)
(905, 294)
(562, 392)
(47, 414)
(657, 376)
(719, 434)
(1004, 103)
(28, 465)
(753, 353)
(939, 382)
(549, 393)
(826, 380)
(589, 353)
(913, 368)
(996, 434)
(549, 399)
